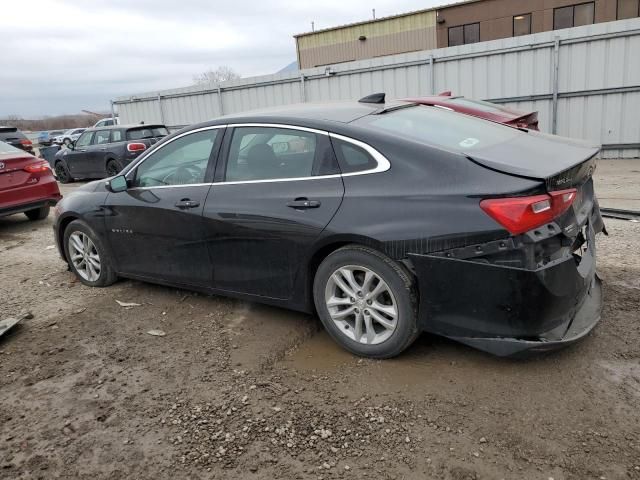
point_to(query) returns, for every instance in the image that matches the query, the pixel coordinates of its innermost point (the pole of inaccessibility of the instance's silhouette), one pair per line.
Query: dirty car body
(495, 226)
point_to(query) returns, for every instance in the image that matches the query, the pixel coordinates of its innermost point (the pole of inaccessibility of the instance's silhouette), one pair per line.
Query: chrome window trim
(382, 163)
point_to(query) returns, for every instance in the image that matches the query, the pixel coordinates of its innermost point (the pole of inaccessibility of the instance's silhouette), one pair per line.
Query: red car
(482, 109)
(26, 184)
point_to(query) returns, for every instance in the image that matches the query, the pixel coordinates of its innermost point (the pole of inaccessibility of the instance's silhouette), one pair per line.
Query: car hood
(534, 155)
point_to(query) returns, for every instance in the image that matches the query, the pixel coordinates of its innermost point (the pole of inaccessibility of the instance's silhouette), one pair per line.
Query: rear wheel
(87, 256)
(366, 302)
(62, 174)
(113, 168)
(38, 213)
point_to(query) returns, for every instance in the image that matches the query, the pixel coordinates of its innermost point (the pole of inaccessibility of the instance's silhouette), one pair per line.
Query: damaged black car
(387, 219)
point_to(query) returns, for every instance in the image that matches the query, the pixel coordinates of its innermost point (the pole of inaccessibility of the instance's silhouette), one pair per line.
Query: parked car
(107, 122)
(45, 138)
(482, 109)
(71, 135)
(16, 138)
(26, 184)
(387, 219)
(103, 152)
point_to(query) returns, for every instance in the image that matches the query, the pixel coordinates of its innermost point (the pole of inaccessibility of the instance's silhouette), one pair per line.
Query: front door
(77, 159)
(155, 228)
(275, 193)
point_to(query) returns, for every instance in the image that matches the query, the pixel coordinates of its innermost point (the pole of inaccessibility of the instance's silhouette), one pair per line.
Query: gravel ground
(237, 390)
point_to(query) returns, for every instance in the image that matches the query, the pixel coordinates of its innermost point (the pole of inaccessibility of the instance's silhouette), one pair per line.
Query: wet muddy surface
(238, 390)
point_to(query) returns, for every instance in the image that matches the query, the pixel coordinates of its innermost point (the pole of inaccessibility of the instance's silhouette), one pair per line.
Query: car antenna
(373, 98)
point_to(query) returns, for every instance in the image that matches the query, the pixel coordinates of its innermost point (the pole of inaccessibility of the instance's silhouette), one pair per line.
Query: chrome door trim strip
(382, 163)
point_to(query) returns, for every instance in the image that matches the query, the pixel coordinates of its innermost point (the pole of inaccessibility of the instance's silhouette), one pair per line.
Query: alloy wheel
(84, 256)
(361, 304)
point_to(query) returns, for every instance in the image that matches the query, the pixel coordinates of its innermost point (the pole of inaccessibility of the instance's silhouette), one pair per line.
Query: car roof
(118, 127)
(339, 112)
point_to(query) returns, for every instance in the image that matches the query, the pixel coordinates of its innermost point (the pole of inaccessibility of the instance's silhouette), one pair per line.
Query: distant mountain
(292, 67)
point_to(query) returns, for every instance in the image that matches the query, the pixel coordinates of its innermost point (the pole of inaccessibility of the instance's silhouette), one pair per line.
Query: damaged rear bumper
(509, 311)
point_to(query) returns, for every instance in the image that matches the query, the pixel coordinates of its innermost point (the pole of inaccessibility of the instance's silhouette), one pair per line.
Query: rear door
(97, 151)
(155, 228)
(276, 191)
(77, 159)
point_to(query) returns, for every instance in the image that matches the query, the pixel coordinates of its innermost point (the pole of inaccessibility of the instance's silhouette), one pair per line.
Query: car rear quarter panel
(427, 201)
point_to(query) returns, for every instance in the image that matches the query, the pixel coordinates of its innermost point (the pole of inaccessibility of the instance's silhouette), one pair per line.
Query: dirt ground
(237, 390)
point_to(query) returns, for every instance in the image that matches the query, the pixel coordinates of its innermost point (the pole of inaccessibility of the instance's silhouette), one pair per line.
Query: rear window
(6, 148)
(7, 133)
(435, 126)
(150, 132)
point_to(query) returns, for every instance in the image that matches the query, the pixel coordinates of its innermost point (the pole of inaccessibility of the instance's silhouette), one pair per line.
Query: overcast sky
(62, 56)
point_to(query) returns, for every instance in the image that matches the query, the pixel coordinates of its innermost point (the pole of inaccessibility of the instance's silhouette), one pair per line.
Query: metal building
(408, 32)
(461, 23)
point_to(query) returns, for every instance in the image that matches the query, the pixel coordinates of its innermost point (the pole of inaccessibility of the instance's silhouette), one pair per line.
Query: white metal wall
(595, 88)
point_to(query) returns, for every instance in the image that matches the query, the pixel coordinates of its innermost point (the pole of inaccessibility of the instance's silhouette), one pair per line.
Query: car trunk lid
(12, 173)
(560, 162)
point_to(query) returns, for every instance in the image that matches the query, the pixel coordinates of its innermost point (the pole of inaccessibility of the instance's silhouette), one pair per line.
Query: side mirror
(117, 184)
(71, 145)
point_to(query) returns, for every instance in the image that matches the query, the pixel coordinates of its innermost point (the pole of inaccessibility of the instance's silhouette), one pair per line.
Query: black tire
(62, 173)
(38, 213)
(400, 284)
(107, 274)
(113, 168)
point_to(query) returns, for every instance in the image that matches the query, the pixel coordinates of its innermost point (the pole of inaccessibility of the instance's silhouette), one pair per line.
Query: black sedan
(386, 219)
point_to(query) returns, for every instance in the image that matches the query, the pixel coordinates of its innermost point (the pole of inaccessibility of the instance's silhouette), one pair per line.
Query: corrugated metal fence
(584, 81)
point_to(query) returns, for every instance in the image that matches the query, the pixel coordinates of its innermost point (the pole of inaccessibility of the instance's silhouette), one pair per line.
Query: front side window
(628, 9)
(181, 162)
(267, 153)
(101, 137)
(85, 139)
(522, 25)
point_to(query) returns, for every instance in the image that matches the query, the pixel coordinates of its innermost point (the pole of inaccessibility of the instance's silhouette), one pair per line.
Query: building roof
(382, 19)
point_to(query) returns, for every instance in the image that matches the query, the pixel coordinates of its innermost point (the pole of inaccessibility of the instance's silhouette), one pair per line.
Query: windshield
(6, 148)
(149, 132)
(436, 126)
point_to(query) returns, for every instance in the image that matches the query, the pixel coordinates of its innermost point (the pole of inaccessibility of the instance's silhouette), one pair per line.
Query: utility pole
(374, 13)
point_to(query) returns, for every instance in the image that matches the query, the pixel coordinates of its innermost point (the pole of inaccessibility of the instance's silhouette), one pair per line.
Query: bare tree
(217, 76)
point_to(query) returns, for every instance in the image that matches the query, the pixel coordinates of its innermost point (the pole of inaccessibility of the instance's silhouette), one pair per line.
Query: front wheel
(86, 255)
(62, 174)
(366, 302)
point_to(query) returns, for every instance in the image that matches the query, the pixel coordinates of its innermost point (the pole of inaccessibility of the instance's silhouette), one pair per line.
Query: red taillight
(26, 142)
(136, 147)
(38, 167)
(521, 214)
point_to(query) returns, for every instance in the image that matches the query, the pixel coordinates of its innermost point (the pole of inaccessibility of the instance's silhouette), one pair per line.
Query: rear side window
(267, 153)
(150, 132)
(116, 135)
(352, 158)
(436, 126)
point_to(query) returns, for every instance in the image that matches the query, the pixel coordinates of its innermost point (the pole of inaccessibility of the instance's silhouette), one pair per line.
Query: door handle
(303, 203)
(81, 150)
(103, 149)
(187, 203)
